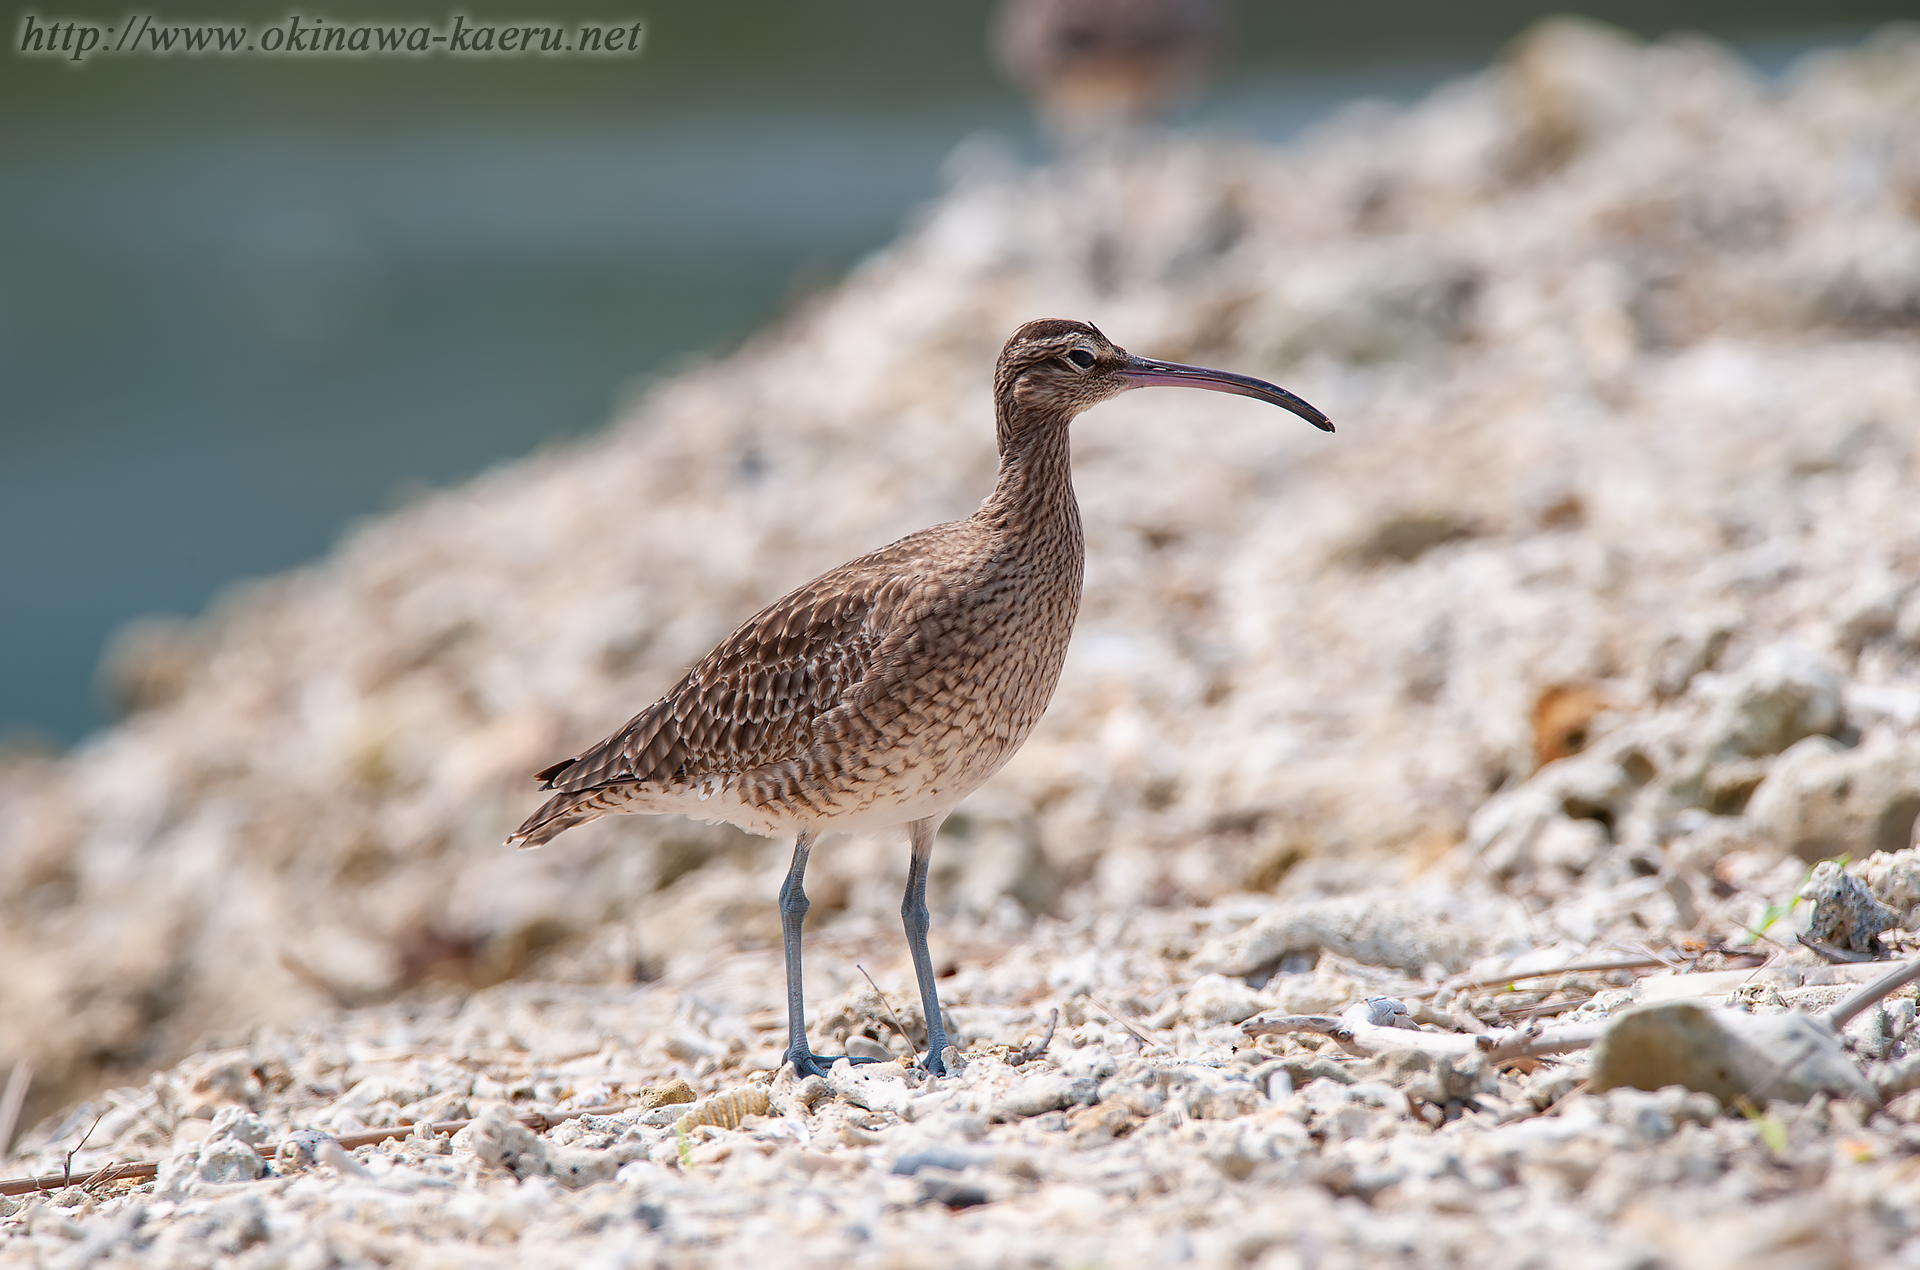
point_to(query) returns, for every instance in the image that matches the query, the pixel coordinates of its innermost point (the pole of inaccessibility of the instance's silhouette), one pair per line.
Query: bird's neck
(1035, 487)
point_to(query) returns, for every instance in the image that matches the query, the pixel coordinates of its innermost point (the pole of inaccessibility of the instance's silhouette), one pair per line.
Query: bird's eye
(1082, 358)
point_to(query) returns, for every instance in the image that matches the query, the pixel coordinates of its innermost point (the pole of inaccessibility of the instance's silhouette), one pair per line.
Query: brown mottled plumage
(884, 691)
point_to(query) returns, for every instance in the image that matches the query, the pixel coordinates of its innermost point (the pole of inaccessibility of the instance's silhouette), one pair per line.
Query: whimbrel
(1097, 68)
(885, 691)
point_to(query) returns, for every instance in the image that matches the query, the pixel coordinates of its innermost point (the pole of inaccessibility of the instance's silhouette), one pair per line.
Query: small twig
(105, 1173)
(1122, 1020)
(1888, 984)
(1761, 934)
(1460, 1010)
(1832, 955)
(898, 1026)
(1542, 1009)
(1578, 1087)
(1504, 1048)
(1577, 968)
(66, 1169)
(1039, 1047)
(1672, 961)
(132, 1171)
(1319, 1024)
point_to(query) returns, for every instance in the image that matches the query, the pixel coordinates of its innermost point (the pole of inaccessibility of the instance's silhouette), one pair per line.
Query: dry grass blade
(12, 1101)
(1576, 968)
(132, 1171)
(1122, 1020)
(897, 1025)
(1543, 1009)
(66, 1167)
(1830, 954)
(105, 1173)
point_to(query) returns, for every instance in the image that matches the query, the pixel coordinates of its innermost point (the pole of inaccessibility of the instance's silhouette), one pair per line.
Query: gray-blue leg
(793, 912)
(914, 916)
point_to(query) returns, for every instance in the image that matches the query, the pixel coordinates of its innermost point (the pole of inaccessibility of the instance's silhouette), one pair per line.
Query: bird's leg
(793, 911)
(914, 916)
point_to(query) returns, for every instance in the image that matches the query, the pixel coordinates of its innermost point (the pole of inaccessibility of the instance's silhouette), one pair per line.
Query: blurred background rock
(1621, 340)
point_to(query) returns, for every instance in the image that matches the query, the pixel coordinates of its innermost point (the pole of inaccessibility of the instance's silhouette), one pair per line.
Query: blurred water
(214, 354)
(216, 351)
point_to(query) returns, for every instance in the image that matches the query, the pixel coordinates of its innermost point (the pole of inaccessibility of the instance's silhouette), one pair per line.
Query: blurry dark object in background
(148, 663)
(1097, 68)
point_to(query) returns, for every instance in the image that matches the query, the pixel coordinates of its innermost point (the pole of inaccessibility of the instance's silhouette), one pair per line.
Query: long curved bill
(1145, 372)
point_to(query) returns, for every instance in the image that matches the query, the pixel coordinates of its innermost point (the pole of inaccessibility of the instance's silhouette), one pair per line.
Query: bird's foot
(933, 1064)
(807, 1063)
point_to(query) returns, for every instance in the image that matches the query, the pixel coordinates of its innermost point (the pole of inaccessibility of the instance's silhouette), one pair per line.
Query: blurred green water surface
(243, 302)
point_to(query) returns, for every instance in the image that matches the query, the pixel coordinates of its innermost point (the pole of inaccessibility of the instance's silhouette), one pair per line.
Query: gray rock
(957, 1192)
(789, 1095)
(1550, 831)
(241, 1125)
(1785, 693)
(240, 1223)
(1898, 1077)
(1653, 1115)
(1525, 836)
(301, 1150)
(229, 1160)
(1551, 1084)
(1821, 800)
(575, 1167)
(875, 1086)
(1426, 1077)
(941, 1157)
(1377, 930)
(1873, 1033)
(1640, 1113)
(503, 1142)
(1845, 914)
(1037, 1095)
(1894, 879)
(1206, 1094)
(1216, 999)
(1729, 1055)
(1684, 653)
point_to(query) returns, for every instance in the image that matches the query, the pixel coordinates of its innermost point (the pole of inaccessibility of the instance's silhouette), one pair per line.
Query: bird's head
(1053, 368)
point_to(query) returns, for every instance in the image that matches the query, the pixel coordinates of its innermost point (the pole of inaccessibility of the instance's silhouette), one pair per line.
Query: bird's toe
(811, 1064)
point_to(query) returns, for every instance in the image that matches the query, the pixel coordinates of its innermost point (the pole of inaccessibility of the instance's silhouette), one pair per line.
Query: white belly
(881, 804)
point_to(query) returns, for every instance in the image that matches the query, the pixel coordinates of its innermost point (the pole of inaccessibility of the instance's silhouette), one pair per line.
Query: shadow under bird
(885, 691)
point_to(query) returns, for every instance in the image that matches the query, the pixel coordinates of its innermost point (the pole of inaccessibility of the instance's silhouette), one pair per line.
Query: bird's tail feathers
(557, 815)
